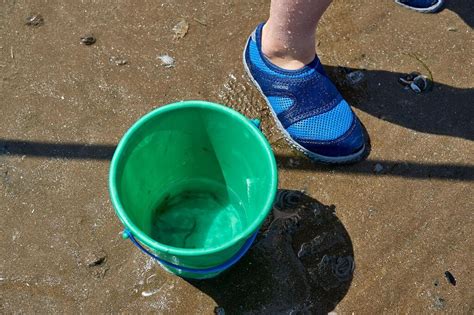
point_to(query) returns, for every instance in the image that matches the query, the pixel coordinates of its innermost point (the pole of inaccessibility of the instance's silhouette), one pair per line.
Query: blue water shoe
(307, 107)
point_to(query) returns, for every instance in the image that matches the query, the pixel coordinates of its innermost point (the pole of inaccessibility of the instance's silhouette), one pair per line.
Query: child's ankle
(283, 56)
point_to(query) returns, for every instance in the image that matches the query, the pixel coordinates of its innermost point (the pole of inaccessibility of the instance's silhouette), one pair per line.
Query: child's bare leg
(288, 38)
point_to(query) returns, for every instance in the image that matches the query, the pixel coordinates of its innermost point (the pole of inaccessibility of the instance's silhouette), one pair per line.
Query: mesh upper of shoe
(324, 127)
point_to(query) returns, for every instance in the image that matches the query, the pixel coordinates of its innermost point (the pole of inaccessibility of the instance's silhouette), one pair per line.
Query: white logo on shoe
(280, 86)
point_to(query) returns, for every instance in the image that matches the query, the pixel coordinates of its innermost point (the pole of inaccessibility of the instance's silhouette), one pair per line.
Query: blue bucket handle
(256, 122)
(234, 259)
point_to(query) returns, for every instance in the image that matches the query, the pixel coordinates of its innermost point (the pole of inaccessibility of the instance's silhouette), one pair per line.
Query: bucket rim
(142, 236)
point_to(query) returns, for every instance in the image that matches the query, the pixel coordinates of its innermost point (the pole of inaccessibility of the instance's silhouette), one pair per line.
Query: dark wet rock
(450, 277)
(34, 20)
(88, 39)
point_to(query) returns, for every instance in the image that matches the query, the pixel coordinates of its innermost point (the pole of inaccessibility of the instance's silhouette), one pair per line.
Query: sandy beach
(370, 238)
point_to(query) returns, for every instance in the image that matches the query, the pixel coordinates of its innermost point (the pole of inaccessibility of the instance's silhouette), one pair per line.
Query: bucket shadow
(301, 263)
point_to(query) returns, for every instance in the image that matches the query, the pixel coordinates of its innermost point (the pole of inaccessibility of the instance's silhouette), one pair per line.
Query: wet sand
(403, 216)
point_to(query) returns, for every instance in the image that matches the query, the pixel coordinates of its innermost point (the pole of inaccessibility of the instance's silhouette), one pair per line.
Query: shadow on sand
(463, 8)
(301, 263)
(441, 110)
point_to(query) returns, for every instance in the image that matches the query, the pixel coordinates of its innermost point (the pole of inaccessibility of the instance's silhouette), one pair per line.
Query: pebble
(88, 40)
(35, 20)
(118, 61)
(150, 293)
(167, 61)
(439, 303)
(355, 77)
(219, 310)
(450, 277)
(95, 259)
(372, 211)
(293, 163)
(181, 29)
(378, 168)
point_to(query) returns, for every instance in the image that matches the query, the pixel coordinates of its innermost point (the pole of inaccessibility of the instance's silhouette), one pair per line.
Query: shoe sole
(355, 157)
(434, 8)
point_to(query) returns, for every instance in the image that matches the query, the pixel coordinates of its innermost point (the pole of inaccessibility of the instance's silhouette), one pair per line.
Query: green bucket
(192, 182)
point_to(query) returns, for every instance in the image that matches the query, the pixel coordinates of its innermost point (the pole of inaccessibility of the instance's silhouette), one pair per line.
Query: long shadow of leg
(463, 8)
(302, 262)
(442, 110)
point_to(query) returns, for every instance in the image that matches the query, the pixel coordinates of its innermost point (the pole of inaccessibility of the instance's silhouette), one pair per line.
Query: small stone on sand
(95, 259)
(167, 61)
(34, 20)
(118, 61)
(181, 29)
(378, 168)
(88, 40)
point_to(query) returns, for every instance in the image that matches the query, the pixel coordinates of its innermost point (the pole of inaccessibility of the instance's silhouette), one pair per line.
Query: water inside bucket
(197, 214)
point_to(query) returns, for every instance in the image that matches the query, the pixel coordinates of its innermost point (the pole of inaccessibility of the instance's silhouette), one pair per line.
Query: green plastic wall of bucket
(185, 140)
